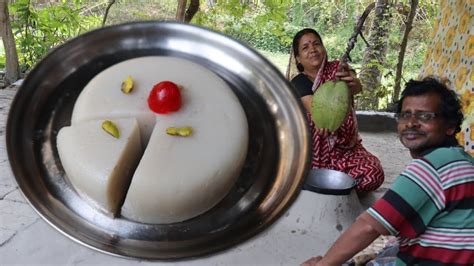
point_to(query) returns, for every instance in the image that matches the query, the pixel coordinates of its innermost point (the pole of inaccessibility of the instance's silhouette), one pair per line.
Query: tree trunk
(291, 69)
(181, 10)
(374, 57)
(184, 15)
(403, 46)
(12, 66)
(192, 10)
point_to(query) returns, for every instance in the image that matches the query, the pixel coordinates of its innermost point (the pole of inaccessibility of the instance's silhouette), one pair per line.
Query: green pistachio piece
(179, 131)
(109, 127)
(127, 85)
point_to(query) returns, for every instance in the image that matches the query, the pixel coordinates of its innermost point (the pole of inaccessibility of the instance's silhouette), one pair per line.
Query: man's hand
(312, 262)
(357, 237)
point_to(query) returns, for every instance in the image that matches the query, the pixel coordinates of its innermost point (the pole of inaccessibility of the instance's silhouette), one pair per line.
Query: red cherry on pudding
(164, 98)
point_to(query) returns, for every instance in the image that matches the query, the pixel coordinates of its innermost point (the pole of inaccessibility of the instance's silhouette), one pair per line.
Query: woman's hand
(350, 77)
(307, 100)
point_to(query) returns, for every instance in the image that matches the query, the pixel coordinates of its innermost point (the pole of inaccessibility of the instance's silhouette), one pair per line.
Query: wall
(451, 56)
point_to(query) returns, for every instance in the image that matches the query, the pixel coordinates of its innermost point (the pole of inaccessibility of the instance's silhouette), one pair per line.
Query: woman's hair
(450, 108)
(296, 43)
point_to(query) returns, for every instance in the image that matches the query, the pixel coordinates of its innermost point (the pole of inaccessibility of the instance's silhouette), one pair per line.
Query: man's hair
(450, 108)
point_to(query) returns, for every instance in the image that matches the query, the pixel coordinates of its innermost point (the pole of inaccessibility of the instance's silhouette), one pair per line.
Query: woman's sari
(343, 150)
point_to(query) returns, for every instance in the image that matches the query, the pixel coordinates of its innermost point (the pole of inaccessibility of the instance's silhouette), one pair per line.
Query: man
(430, 207)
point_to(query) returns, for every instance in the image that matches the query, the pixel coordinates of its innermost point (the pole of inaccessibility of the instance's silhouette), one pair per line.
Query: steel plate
(275, 167)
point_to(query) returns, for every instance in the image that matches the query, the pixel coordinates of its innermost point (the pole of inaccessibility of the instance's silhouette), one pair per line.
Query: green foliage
(2, 57)
(262, 26)
(266, 25)
(271, 25)
(139, 10)
(38, 29)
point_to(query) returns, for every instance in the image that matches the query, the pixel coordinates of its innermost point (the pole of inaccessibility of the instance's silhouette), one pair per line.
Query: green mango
(331, 104)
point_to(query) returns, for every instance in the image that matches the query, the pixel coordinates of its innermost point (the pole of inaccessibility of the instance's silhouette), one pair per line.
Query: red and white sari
(343, 150)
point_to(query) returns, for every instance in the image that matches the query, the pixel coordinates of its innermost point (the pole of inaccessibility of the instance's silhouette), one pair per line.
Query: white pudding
(178, 178)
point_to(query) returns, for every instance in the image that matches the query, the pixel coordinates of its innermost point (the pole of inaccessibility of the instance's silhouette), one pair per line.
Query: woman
(341, 150)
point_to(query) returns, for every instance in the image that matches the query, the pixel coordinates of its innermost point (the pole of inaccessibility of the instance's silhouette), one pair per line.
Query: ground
(393, 155)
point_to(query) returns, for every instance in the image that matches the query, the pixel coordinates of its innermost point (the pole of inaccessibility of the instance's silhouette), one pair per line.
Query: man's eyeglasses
(423, 117)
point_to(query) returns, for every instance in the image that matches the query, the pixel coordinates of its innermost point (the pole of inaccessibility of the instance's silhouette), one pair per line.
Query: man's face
(420, 134)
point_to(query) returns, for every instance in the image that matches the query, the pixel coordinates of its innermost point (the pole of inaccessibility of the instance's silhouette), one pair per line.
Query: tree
(12, 67)
(403, 46)
(186, 15)
(374, 58)
(180, 11)
(107, 9)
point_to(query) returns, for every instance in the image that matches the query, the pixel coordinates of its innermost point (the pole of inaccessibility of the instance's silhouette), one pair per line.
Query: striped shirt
(430, 208)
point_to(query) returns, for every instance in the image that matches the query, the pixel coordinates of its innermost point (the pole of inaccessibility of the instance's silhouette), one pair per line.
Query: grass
(138, 10)
(279, 60)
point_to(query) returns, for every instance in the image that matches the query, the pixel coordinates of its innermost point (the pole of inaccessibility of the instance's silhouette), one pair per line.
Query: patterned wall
(451, 56)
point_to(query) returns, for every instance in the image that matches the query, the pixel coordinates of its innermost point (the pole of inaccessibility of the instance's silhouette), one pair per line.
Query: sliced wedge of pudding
(99, 165)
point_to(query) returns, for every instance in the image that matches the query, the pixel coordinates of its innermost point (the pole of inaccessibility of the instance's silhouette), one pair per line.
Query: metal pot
(330, 182)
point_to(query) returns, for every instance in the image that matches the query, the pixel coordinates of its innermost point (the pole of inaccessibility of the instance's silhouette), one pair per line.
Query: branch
(403, 46)
(84, 9)
(111, 2)
(357, 31)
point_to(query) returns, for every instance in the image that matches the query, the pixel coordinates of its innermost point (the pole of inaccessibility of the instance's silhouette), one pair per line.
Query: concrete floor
(378, 132)
(22, 227)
